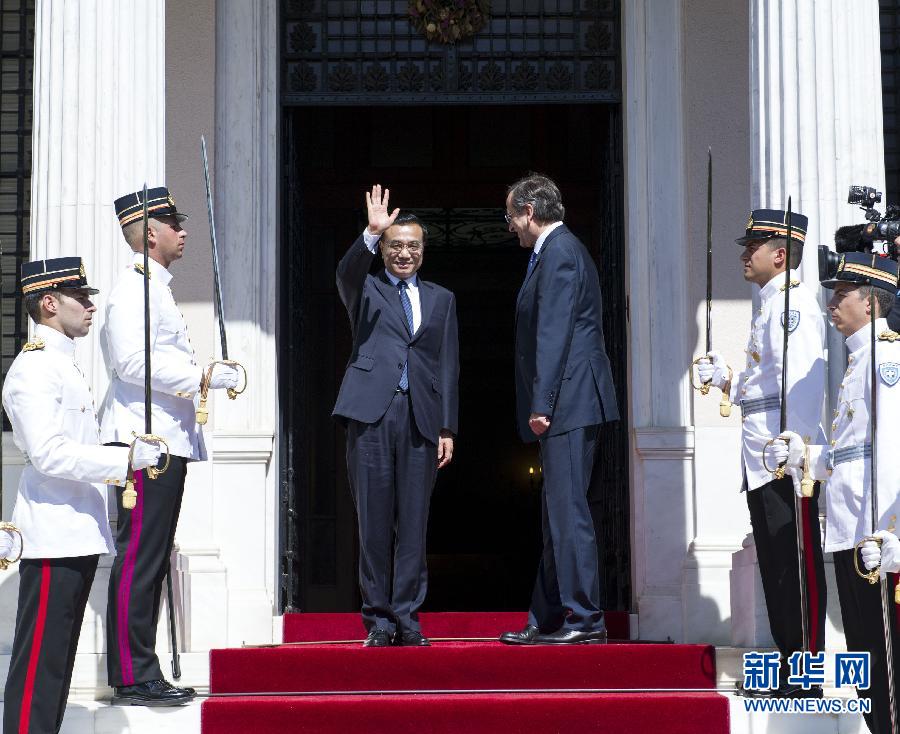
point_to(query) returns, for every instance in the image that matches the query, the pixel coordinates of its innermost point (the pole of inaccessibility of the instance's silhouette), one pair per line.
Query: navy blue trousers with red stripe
(53, 593)
(864, 630)
(144, 539)
(772, 516)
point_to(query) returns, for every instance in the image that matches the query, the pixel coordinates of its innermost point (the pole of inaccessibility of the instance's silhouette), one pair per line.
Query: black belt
(400, 391)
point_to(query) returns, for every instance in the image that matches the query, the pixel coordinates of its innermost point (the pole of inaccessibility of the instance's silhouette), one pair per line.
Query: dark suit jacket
(382, 343)
(561, 365)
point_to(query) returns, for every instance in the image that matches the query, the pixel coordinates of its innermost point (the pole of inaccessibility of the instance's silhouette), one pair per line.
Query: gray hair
(542, 194)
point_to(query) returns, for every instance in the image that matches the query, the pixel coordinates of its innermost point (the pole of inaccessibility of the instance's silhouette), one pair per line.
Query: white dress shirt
(175, 376)
(412, 283)
(543, 236)
(845, 464)
(758, 388)
(61, 502)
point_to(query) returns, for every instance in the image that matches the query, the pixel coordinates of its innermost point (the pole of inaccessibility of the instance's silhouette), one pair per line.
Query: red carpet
(310, 627)
(470, 714)
(345, 688)
(460, 665)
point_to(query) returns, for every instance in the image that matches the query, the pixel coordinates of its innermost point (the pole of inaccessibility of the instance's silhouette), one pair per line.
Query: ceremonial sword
(806, 485)
(202, 412)
(874, 575)
(129, 496)
(724, 403)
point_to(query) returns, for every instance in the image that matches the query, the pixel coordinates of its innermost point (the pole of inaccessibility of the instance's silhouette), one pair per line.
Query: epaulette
(794, 284)
(33, 346)
(888, 336)
(138, 268)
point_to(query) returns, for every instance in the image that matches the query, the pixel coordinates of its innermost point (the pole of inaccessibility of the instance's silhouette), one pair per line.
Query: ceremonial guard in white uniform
(846, 462)
(757, 391)
(60, 506)
(145, 534)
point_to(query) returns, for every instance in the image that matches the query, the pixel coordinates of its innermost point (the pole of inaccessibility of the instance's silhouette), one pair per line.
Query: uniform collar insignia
(34, 345)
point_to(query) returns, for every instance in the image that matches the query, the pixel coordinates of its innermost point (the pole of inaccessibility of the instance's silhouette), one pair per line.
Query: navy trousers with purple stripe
(773, 519)
(53, 593)
(144, 539)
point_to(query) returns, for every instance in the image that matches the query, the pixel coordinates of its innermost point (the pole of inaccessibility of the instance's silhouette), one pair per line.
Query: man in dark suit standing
(564, 391)
(399, 402)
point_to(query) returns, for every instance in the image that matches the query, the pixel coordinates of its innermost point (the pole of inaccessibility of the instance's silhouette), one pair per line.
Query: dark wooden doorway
(451, 165)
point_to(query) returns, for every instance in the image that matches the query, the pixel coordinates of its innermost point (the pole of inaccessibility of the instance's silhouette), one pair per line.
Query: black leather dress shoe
(378, 638)
(784, 690)
(572, 637)
(152, 693)
(522, 637)
(411, 638)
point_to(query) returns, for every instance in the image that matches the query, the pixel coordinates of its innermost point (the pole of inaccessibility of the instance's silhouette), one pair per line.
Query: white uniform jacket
(175, 375)
(846, 464)
(61, 502)
(757, 390)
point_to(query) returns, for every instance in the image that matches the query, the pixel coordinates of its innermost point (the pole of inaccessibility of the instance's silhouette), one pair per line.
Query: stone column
(816, 129)
(99, 132)
(245, 466)
(663, 440)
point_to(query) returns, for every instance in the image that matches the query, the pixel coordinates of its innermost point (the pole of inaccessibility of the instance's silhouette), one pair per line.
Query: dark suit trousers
(863, 627)
(144, 539)
(567, 589)
(772, 517)
(392, 469)
(53, 593)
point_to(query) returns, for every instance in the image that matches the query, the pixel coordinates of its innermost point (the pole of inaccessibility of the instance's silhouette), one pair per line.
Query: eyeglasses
(508, 217)
(397, 247)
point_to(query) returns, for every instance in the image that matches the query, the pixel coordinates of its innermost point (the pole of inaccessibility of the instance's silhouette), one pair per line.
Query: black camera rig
(861, 237)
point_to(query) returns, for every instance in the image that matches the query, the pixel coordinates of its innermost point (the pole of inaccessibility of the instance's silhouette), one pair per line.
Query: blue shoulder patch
(890, 373)
(793, 320)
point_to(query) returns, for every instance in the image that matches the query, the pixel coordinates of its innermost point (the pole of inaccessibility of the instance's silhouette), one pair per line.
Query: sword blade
(217, 283)
(148, 422)
(709, 251)
(786, 318)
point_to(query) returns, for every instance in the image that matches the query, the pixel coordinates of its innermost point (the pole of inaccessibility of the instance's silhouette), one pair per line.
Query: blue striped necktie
(531, 261)
(407, 310)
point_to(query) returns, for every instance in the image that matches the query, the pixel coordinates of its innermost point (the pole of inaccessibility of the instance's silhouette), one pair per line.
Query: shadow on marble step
(92, 717)
(730, 661)
(743, 722)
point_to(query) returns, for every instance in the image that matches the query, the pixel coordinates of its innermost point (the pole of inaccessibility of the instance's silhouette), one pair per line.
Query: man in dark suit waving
(564, 391)
(399, 402)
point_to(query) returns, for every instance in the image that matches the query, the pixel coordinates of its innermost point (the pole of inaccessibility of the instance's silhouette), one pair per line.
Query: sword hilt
(202, 412)
(129, 496)
(777, 472)
(702, 387)
(8, 527)
(870, 576)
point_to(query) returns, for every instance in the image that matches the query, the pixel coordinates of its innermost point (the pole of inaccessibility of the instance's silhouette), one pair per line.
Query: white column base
(201, 598)
(749, 621)
(662, 488)
(706, 593)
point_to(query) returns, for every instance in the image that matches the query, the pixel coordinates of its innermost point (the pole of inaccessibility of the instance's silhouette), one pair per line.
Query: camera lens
(828, 263)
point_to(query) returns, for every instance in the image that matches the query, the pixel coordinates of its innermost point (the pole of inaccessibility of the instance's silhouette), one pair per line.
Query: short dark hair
(408, 218)
(33, 302)
(796, 249)
(884, 299)
(543, 195)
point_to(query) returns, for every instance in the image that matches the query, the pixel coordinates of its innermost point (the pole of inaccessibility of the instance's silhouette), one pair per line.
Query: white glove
(7, 543)
(789, 449)
(223, 376)
(146, 453)
(713, 369)
(887, 556)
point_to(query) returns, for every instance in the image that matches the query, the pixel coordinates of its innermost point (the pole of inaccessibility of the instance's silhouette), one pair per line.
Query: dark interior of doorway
(452, 166)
